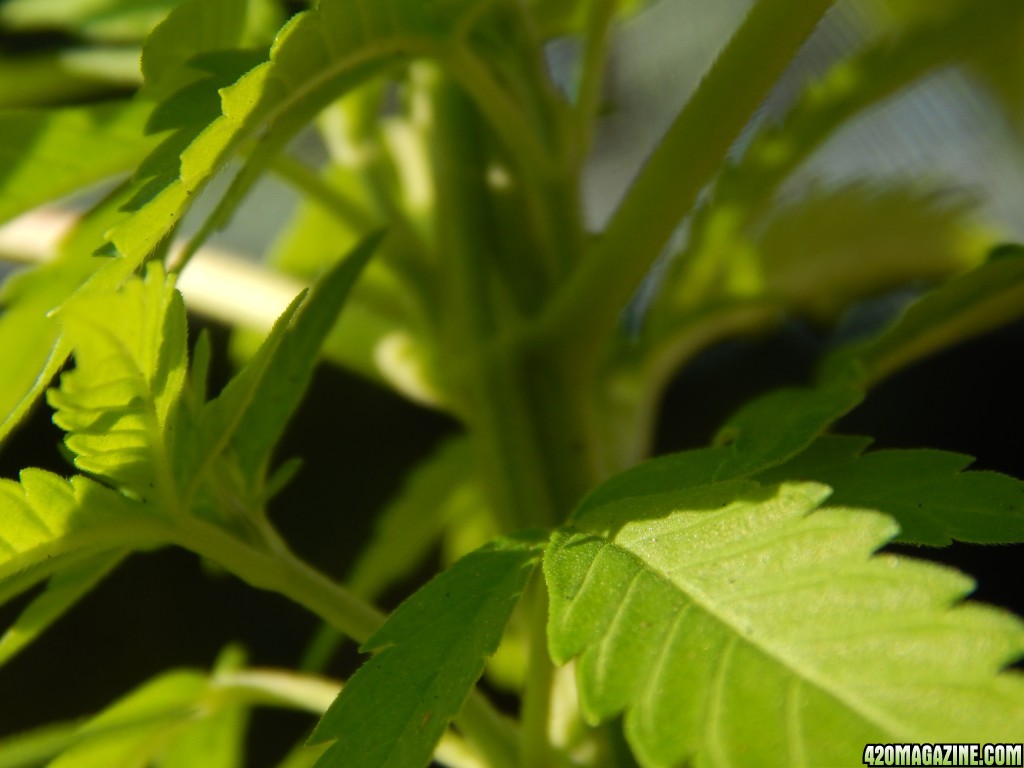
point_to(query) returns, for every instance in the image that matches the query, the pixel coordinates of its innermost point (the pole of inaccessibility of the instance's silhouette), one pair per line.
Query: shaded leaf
(735, 625)
(197, 27)
(179, 719)
(779, 425)
(825, 251)
(290, 368)
(430, 652)
(981, 300)
(928, 492)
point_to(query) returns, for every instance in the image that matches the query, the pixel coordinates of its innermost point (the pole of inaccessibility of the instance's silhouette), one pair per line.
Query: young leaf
(179, 718)
(51, 524)
(735, 625)
(928, 492)
(119, 405)
(832, 247)
(430, 653)
(252, 410)
(317, 56)
(51, 153)
(29, 335)
(196, 27)
(981, 300)
(290, 368)
(781, 424)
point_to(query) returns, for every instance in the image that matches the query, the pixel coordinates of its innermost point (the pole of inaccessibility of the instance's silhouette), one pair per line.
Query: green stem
(592, 69)
(282, 572)
(313, 186)
(847, 89)
(535, 749)
(503, 114)
(687, 158)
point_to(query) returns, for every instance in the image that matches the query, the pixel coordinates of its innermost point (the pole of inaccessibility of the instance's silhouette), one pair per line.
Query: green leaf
(217, 738)
(120, 403)
(197, 27)
(430, 653)
(50, 153)
(34, 356)
(29, 335)
(738, 624)
(290, 367)
(317, 57)
(781, 424)
(928, 492)
(832, 247)
(986, 298)
(385, 339)
(178, 720)
(64, 590)
(52, 524)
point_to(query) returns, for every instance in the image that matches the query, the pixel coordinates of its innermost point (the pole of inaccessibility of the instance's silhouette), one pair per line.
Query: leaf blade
(290, 368)
(929, 493)
(317, 56)
(981, 300)
(698, 612)
(430, 652)
(51, 153)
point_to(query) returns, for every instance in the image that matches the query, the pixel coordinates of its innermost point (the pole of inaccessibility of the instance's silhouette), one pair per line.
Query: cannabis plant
(594, 606)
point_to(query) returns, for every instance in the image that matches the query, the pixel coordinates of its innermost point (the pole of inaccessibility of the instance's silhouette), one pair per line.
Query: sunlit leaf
(120, 403)
(737, 624)
(29, 334)
(47, 154)
(52, 524)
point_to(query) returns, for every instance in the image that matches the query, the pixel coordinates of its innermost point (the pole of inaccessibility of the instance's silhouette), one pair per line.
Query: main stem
(527, 411)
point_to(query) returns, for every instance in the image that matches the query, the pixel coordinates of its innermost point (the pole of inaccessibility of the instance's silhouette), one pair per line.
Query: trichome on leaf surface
(594, 606)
